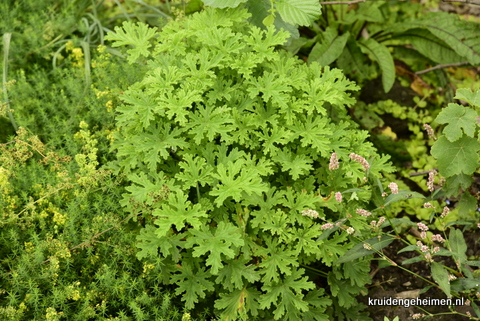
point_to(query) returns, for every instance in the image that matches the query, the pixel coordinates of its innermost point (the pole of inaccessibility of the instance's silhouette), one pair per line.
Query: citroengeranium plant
(237, 154)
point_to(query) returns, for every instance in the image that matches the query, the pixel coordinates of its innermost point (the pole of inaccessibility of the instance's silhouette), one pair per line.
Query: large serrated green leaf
(457, 157)
(223, 3)
(330, 48)
(440, 275)
(473, 98)
(299, 12)
(457, 117)
(381, 54)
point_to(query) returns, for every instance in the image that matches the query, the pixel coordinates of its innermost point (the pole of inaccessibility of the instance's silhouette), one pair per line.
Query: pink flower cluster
(360, 160)
(363, 212)
(310, 213)
(393, 187)
(333, 162)
(338, 197)
(431, 177)
(430, 132)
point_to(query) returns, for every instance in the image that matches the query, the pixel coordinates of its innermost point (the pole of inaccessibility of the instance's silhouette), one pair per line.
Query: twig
(98, 234)
(475, 2)
(421, 173)
(441, 67)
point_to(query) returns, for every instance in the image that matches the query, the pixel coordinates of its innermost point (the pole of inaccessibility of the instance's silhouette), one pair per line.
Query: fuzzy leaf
(221, 241)
(195, 171)
(299, 12)
(178, 212)
(287, 296)
(277, 260)
(235, 180)
(157, 142)
(457, 157)
(238, 303)
(210, 122)
(296, 165)
(232, 275)
(381, 54)
(135, 35)
(457, 117)
(192, 284)
(329, 48)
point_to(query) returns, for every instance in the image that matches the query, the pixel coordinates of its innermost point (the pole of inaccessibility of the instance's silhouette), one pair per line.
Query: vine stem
(442, 66)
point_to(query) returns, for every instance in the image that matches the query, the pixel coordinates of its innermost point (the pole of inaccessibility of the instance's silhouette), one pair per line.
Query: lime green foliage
(66, 251)
(227, 144)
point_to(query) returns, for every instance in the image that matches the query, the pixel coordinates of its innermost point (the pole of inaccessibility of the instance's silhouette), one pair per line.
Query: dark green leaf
(329, 47)
(359, 251)
(383, 57)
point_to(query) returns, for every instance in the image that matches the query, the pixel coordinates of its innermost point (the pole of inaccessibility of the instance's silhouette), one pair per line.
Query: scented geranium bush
(237, 154)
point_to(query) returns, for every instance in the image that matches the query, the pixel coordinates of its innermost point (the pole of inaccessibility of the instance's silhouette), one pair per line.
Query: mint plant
(236, 153)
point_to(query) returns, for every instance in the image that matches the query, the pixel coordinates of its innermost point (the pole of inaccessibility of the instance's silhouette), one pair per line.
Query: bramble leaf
(473, 98)
(457, 157)
(136, 35)
(299, 12)
(221, 241)
(457, 117)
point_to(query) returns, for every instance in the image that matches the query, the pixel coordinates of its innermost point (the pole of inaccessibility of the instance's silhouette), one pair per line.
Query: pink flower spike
(393, 187)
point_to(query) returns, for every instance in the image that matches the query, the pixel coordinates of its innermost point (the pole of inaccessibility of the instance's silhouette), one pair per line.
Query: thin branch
(421, 173)
(475, 2)
(441, 67)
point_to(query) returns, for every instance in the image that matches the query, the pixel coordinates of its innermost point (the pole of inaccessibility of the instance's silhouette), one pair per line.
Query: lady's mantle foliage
(226, 141)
